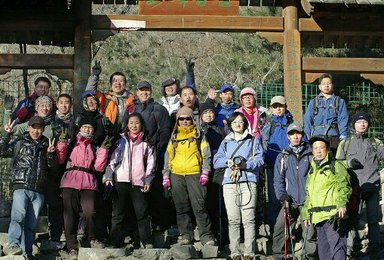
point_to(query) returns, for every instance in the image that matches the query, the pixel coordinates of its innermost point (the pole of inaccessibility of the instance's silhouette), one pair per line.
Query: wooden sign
(189, 7)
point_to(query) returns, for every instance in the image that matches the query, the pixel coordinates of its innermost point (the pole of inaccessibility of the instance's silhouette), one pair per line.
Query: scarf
(135, 137)
(297, 149)
(64, 117)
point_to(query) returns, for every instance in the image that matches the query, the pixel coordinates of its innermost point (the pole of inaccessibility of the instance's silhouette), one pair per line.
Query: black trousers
(130, 195)
(74, 200)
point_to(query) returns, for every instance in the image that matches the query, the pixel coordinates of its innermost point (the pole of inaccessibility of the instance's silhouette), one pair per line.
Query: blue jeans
(26, 207)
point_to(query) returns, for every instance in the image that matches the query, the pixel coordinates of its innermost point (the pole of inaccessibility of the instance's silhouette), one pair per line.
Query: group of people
(126, 148)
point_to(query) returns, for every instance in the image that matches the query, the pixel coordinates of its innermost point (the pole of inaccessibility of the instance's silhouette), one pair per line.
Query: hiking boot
(96, 244)
(73, 254)
(236, 257)
(248, 257)
(184, 241)
(211, 243)
(13, 250)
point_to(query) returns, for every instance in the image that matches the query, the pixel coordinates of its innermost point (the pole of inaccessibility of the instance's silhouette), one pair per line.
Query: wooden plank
(195, 22)
(188, 7)
(310, 77)
(36, 61)
(347, 65)
(64, 74)
(356, 27)
(273, 37)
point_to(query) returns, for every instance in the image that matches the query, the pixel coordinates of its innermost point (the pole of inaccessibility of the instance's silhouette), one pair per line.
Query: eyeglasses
(185, 118)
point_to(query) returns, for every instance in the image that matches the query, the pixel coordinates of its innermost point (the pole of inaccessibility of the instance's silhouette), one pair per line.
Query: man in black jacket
(33, 154)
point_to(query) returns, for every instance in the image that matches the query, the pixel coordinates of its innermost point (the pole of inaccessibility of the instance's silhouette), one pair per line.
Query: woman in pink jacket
(78, 183)
(131, 171)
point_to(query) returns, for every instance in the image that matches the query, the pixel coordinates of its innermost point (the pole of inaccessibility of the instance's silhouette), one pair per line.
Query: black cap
(169, 82)
(316, 138)
(143, 84)
(206, 106)
(36, 120)
(360, 115)
(88, 121)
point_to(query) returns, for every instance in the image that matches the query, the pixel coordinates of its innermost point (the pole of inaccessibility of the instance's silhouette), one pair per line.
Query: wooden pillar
(82, 53)
(292, 59)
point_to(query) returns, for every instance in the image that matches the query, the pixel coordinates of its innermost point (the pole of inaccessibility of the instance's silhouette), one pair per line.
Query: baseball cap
(278, 99)
(143, 84)
(36, 120)
(226, 87)
(295, 126)
(316, 138)
(168, 82)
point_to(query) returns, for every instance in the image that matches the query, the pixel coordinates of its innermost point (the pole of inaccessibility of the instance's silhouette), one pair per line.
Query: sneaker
(13, 250)
(211, 243)
(72, 254)
(184, 241)
(149, 246)
(96, 244)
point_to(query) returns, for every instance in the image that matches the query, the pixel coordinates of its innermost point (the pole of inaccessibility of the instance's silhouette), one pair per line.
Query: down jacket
(83, 164)
(251, 150)
(291, 173)
(131, 161)
(30, 161)
(326, 191)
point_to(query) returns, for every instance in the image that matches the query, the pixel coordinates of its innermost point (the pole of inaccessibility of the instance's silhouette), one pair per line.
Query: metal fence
(364, 96)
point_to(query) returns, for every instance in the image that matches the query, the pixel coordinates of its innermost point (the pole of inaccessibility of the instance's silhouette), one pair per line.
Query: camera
(237, 160)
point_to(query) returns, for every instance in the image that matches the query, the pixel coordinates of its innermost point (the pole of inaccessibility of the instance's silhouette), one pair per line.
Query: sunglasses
(185, 118)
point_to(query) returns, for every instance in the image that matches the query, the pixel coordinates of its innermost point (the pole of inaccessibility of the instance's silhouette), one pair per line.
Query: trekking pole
(289, 227)
(285, 233)
(220, 220)
(305, 241)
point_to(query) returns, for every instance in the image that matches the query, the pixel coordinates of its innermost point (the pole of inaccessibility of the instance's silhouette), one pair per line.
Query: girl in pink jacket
(78, 183)
(131, 171)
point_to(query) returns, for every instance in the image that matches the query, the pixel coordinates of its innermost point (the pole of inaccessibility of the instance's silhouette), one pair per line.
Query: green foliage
(219, 58)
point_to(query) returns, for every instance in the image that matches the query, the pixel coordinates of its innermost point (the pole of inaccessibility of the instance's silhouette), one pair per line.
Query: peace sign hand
(9, 126)
(51, 145)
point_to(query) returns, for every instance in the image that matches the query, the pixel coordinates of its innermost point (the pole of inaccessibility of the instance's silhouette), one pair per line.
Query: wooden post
(292, 60)
(82, 50)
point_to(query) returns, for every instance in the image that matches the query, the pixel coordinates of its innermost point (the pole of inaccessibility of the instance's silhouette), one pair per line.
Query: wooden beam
(378, 79)
(310, 77)
(292, 60)
(188, 7)
(65, 74)
(36, 61)
(194, 22)
(273, 37)
(37, 22)
(355, 27)
(347, 65)
(82, 60)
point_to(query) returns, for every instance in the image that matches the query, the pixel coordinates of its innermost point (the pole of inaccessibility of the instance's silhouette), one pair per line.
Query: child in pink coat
(131, 171)
(79, 185)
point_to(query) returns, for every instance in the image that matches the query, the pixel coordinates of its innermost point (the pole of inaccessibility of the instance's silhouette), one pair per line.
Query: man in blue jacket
(327, 114)
(291, 169)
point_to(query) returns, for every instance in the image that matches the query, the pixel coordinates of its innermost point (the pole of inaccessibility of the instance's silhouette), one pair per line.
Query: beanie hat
(360, 115)
(247, 91)
(36, 120)
(184, 111)
(88, 121)
(206, 106)
(43, 99)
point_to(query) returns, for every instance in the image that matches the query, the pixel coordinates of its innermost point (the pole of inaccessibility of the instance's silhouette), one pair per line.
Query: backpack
(335, 105)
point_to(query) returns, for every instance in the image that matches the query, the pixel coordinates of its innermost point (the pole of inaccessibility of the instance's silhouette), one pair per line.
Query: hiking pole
(220, 220)
(285, 233)
(305, 241)
(289, 226)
